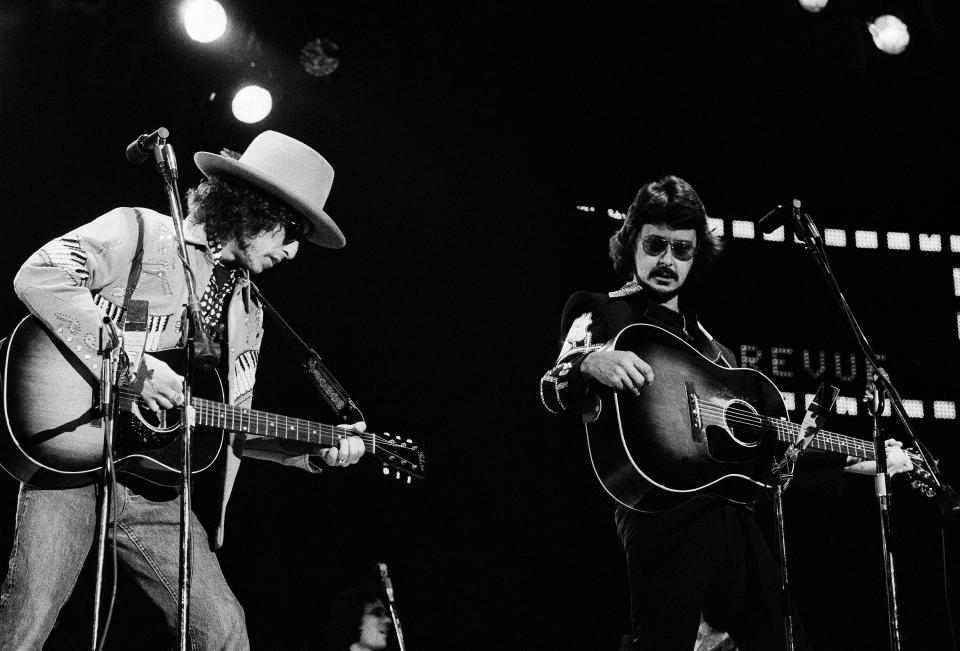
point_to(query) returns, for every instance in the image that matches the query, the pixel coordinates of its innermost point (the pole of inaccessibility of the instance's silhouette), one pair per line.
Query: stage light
(813, 6)
(834, 237)
(252, 104)
(743, 229)
(914, 408)
(930, 242)
(715, 226)
(846, 406)
(789, 400)
(889, 34)
(777, 235)
(898, 241)
(945, 409)
(866, 239)
(204, 20)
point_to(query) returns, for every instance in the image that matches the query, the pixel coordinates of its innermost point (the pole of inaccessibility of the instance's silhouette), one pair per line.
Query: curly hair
(233, 209)
(672, 202)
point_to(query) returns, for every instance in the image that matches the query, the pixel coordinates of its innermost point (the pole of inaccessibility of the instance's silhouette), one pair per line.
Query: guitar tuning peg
(409, 479)
(398, 474)
(410, 441)
(386, 470)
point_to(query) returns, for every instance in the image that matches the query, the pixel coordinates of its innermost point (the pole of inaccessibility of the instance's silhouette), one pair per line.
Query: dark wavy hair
(671, 202)
(346, 613)
(233, 209)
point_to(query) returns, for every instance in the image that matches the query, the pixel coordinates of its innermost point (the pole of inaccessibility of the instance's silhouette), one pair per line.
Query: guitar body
(54, 430)
(693, 431)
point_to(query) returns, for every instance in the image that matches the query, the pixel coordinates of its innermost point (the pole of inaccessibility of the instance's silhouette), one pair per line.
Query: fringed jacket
(72, 282)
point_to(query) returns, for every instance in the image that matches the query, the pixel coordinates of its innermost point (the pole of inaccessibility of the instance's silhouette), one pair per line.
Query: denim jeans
(55, 530)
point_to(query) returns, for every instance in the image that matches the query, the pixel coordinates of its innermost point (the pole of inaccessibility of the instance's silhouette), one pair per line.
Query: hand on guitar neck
(897, 461)
(162, 388)
(617, 369)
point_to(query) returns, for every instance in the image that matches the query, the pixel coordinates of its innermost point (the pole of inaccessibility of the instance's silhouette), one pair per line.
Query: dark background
(464, 136)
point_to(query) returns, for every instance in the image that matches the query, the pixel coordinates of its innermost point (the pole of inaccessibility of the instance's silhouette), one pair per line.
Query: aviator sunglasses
(297, 230)
(681, 249)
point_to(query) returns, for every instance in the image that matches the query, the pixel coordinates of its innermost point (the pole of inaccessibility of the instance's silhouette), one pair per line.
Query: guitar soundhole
(744, 423)
(134, 435)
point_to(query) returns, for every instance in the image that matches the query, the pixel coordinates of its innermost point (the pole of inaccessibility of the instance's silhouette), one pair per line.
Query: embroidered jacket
(590, 320)
(76, 279)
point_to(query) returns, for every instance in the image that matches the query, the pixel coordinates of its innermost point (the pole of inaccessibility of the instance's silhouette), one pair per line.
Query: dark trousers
(705, 557)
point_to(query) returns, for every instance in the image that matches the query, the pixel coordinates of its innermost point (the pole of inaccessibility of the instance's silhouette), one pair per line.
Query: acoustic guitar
(54, 428)
(699, 428)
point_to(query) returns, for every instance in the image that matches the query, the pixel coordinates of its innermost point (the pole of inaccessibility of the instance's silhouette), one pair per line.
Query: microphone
(816, 414)
(142, 148)
(771, 221)
(385, 579)
(780, 216)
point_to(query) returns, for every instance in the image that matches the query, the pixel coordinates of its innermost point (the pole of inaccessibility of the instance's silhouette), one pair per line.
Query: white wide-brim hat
(288, 170)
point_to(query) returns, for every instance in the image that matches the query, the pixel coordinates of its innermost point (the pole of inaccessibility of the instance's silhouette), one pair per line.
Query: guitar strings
(862, 447)
(756, 421)
(257, 416)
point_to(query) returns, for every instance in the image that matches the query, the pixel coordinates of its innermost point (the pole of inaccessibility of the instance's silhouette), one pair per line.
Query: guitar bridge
(696, 419)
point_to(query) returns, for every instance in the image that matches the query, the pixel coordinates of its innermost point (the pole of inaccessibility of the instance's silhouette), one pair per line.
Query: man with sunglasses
(701, 575)
(251, 213)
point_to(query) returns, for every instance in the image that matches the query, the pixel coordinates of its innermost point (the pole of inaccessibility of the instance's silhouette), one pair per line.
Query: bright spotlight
(204, 20)
(813, 6)
(252, 104)
(889, 34)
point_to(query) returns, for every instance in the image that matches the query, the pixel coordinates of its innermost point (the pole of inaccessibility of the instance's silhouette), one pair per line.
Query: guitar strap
(332, 392)
(136, 267)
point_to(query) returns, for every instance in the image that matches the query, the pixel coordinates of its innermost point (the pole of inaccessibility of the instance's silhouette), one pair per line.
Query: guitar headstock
(400, 457)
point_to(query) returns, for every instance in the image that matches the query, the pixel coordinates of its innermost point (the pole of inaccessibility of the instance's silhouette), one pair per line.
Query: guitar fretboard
(824, 440)
(251, 421)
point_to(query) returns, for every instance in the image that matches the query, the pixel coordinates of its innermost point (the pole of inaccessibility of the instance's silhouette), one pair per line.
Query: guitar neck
(261, 423)
(824, 440)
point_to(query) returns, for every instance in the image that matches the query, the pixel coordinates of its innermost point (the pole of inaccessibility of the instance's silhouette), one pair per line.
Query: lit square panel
(807, 399)
(898, 241)
(929, 242)
(958, 324)
(775, 236)
(834, 237)
(866, 239)
(742, 228)
(846, 406)
(789, 399)
(914, 408)
(955, 243)
(956, 282)
(715, 226)
(945, 409)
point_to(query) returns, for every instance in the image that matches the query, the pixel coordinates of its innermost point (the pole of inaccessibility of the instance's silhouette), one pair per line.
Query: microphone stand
(782, 474)
(198, 350)
(391, 604)
(110, 368)
(803, 226)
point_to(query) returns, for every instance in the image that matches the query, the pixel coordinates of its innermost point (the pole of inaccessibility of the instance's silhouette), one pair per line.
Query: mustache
(664, 272)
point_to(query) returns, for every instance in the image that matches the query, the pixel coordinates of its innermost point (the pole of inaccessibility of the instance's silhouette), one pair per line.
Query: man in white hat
(251, 213)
